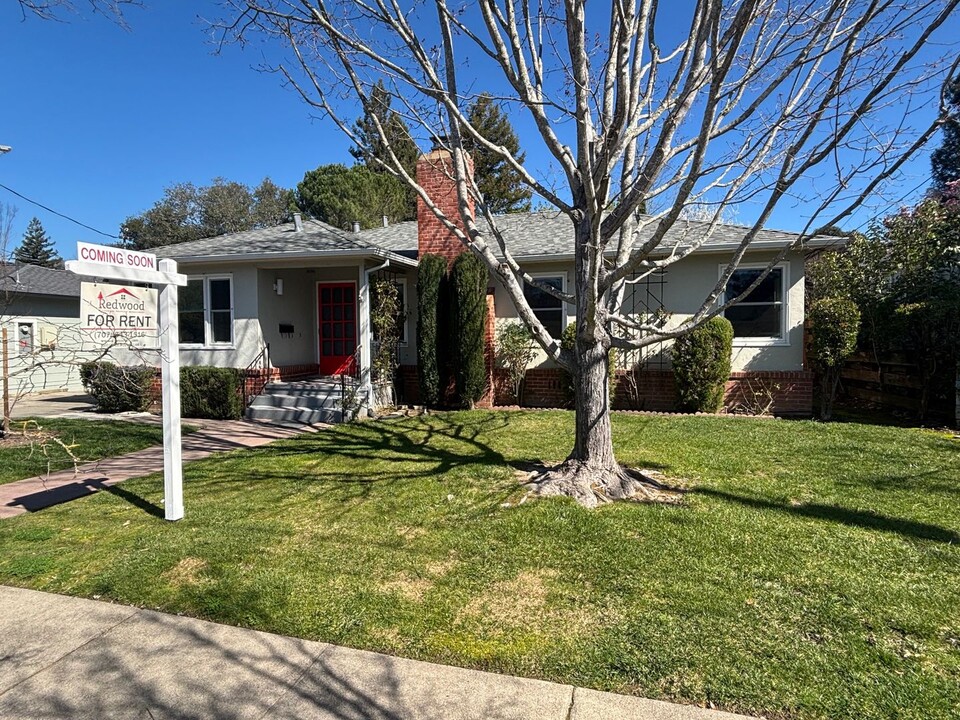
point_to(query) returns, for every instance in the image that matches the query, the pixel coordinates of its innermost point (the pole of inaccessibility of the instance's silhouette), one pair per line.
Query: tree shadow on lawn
(845, 516)
(381, 454)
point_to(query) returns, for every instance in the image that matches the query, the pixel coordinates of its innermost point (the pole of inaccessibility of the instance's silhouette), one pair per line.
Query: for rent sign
(117, 257)
(119, 314)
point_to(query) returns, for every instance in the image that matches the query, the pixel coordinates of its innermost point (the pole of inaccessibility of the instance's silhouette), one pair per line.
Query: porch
(293, 321)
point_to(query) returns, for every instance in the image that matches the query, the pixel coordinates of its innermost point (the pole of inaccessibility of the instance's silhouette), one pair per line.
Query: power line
(65, 217)
(892, 204)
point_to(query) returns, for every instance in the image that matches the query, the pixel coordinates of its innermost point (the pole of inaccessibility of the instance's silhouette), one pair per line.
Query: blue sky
(101, 119)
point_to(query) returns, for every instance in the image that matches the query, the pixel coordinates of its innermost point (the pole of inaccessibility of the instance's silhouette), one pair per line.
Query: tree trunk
(593, 441)
(591, 474)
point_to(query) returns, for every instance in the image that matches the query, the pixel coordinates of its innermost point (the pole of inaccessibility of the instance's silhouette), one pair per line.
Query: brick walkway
(216, 436)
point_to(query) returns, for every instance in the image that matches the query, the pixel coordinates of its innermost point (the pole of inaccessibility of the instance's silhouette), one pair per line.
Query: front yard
(813, 570)
(31, 450)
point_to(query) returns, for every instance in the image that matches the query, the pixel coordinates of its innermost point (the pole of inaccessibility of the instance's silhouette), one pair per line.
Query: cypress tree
(945, 160)
(37, 248)
(468, 278)
(502, 189)
(433, 269)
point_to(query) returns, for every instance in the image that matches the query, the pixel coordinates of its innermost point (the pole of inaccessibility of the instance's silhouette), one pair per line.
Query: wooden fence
(894, 382)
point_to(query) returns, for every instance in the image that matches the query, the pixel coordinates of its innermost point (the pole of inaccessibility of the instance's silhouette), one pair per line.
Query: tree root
(591, 486)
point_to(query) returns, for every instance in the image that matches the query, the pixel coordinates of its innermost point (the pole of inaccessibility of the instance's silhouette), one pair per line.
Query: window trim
(208, 341)
(564, 319)
(759, 341)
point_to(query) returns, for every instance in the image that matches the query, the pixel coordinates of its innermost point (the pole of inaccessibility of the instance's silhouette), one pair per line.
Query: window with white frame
(206, 311)
(547, 308)
(761, 315)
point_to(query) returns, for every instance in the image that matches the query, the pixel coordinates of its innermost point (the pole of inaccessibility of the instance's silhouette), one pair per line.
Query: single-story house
(40, 312)
(302, 289)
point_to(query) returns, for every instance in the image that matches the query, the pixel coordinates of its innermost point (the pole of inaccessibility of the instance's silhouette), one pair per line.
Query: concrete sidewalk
(63, 657)
(214, 436)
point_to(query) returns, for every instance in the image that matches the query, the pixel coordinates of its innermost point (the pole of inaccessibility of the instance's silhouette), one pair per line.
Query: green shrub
(836, 325)
(701, 366)
(118, 389)
(385, 313)
(211, 392)
(468, 279)
(515, 351)
(432, 270)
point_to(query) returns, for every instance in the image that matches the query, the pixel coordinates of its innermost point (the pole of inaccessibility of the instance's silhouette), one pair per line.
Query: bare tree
(642, 105)
(56, 9)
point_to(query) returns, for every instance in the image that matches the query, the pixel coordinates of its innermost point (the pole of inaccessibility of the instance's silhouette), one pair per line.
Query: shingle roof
(36, 280)
(528, 235)
(316, 237)
(539, 234)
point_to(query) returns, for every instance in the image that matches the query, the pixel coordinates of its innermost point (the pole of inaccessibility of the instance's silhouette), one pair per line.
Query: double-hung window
(548, 309)
(761, 317)
(206, 311)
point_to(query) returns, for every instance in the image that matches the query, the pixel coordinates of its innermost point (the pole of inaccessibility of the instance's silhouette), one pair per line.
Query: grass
(812, 572)
(90, 440)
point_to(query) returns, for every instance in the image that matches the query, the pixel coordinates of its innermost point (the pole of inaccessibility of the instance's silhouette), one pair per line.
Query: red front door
(337, 310)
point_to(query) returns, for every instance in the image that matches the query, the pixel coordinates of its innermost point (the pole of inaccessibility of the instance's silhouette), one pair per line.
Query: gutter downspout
(366, 336)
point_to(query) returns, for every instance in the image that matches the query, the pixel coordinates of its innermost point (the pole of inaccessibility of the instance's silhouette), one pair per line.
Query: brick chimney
(435, 175)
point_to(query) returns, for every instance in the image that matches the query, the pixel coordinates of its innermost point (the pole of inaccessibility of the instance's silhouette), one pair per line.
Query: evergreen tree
(37, 248)
(340, 196)
(500, 184)
(468, 281)
(372, 150)
(945, 160)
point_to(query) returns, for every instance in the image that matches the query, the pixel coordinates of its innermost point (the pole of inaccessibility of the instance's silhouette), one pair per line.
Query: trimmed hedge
(701, 366)
(430, 278)
(468, 279)
(118, 389)
(211, 392)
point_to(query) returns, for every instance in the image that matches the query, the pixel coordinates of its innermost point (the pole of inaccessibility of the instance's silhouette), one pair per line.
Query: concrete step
(314, 400)
(295, 414)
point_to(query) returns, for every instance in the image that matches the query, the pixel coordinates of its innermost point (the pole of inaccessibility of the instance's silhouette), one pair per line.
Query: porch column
(365, 337)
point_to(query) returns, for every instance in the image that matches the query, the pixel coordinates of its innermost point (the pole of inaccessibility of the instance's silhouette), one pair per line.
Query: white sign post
(119, 264)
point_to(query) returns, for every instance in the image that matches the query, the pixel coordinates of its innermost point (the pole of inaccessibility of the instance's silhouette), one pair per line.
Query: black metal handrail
(254, 382)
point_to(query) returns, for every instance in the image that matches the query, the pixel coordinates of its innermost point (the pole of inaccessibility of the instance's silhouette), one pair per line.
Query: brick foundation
(780, 393)
(409, 384)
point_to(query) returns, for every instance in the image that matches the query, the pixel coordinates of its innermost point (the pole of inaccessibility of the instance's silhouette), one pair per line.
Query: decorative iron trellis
(643, 300)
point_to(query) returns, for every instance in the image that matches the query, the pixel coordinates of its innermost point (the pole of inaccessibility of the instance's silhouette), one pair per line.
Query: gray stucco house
(302, 289)
(40, 312)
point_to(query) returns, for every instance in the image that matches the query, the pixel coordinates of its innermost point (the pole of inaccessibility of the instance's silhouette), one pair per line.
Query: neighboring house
(40, 312)
(303, 290)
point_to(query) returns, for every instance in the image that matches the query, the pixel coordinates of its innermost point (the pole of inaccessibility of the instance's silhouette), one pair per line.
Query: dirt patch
(411, 588)
(411, 533)
(185, 572)
(533, 602)
(439, 568)
(501, 603)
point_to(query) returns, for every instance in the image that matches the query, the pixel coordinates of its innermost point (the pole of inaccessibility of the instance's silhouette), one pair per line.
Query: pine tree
(945, 160)
(500, 184)
(37, 248)
(372, 150)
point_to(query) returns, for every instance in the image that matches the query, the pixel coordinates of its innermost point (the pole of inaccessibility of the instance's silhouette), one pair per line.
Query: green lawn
(89, 440)
(813, 570)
